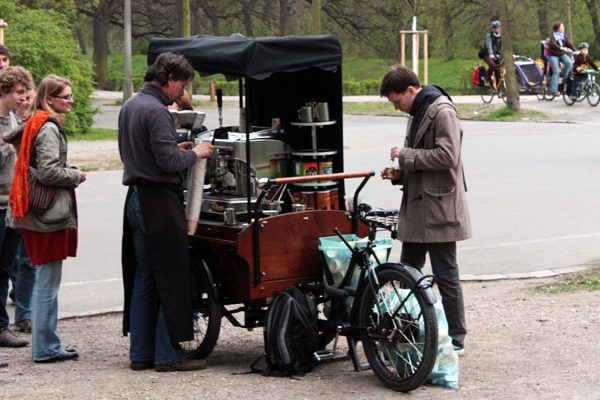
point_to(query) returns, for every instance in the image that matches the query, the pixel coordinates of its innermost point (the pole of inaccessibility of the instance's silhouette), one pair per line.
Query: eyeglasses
(65, 97)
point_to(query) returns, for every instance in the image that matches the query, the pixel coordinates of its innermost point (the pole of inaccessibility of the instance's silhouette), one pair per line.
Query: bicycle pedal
(323, 355)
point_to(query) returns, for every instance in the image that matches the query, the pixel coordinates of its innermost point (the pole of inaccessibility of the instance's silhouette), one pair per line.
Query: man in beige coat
(433, 212)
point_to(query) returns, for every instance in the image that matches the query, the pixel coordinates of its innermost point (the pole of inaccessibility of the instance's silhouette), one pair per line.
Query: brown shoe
(185, 365)
(23, 325)
(9, 339)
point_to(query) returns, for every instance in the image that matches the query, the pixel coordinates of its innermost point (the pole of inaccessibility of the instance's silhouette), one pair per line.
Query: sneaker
(459, 350)
(185, 365)
(23, 325)
(9, 339)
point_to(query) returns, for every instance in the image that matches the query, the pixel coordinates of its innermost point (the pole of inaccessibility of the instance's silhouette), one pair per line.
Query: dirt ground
(522, 344)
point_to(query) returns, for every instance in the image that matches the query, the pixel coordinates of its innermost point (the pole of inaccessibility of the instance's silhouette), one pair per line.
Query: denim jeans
(445, 271)
(554, 64)
(149, 338)
(24, 274)
(9, 241)
(45, 342)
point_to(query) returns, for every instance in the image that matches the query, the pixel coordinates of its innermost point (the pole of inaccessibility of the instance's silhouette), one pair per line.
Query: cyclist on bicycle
(492, 51)
(580, 64)
(558, 47)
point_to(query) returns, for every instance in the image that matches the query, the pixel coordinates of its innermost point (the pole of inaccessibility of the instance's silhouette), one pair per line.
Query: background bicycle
(582, 89)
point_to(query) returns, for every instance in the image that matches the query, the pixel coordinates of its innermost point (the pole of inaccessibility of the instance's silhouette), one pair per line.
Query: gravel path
(521, 345)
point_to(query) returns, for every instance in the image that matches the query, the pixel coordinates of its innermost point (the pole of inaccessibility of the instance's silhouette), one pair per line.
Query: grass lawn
(96, 134)
(588, 280)
(479, 112)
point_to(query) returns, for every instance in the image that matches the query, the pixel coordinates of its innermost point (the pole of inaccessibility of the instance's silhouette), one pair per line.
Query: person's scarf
(423, 99)
(19, 196)
(559, 37)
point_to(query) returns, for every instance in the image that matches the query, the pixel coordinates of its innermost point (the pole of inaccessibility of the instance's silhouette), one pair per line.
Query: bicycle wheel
(502, 92)
(593, 94)
(548, 95)
(207, 313)
(487, 93)
(400, 342)
(568, 99)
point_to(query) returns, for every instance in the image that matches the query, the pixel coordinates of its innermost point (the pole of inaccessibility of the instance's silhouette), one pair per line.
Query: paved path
(533, 194)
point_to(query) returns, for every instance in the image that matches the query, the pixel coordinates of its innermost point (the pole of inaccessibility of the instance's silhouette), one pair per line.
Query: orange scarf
(19, 196)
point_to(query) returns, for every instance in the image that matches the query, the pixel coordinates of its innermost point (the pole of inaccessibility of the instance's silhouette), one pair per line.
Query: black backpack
(291, 334)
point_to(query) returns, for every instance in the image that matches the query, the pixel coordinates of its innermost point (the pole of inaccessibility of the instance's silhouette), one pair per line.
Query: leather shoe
(66, 355)
(23, 325)
(185, 365)
(9, 339)
(141, 365)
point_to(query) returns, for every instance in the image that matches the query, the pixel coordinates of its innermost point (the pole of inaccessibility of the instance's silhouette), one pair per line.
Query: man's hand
(82, 177)
(395, 152)
(391, 173)
(203, 150)
(185, 145)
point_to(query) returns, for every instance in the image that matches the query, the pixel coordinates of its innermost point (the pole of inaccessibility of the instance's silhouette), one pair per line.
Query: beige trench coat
(434, 204)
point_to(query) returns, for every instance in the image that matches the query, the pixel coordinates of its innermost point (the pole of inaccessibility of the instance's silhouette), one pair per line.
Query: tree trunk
(100, 40)
(186, 18)
(316, 17)
(247, 7)
(80, 36)
(592, 6)
(569, 24)
(287, 13)
(543, 24)
(512, 90)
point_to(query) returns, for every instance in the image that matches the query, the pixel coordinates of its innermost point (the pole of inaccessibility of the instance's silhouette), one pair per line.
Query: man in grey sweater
(156, 263)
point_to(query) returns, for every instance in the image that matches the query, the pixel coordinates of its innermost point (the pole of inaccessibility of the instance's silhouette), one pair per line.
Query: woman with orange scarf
(50, 235)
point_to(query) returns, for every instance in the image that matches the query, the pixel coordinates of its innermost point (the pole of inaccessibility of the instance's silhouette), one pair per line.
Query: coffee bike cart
(264, 205)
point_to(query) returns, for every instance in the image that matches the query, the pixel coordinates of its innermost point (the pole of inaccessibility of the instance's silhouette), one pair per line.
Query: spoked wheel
(400, 341)
(593, 94)
(540, 94)
(548, 95)
(487, 93)
(207, 313)
(568, 99)
(502, 92)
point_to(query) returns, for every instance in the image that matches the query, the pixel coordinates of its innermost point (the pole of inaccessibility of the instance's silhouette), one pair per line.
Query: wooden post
(402, 44)
(415, 67)
(416, 53)
(3, 25)
(212, 90)
(425, 57)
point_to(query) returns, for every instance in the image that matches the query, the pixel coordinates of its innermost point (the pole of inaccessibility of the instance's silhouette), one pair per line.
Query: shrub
(41, 41)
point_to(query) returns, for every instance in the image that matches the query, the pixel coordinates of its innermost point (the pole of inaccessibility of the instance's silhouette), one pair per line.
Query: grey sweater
(8, 159)
(148, 140)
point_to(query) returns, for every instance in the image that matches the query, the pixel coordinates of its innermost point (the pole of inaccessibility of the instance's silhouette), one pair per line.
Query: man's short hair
(4, 51)
(169, 66)
(398, 79)
(11, 76)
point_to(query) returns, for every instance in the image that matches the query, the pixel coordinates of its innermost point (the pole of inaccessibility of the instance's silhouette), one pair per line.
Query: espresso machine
(226, 177)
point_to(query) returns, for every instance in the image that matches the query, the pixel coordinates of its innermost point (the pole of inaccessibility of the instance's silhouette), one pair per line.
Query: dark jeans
(9, 242)
(445, 271)
(149, 339)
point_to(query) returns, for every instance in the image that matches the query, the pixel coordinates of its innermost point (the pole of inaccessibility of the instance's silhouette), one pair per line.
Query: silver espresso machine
(226, 178)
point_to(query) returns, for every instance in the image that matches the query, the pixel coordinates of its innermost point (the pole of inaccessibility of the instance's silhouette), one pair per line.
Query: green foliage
(588, 280)
(40, 40)
(96, 134)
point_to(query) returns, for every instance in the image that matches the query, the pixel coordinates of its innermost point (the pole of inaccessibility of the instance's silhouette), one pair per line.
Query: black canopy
(252, 57)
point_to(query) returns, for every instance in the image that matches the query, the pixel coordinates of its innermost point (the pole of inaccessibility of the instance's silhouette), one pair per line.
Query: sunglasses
(65, 97)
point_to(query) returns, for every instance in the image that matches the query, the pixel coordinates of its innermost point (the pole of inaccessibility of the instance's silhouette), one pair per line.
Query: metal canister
(324, 199)
(325, 167)
(335, 199)
(229, 216)
(308, 198)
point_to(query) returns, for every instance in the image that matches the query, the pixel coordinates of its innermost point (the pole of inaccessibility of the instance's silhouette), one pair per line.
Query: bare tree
(512, 90)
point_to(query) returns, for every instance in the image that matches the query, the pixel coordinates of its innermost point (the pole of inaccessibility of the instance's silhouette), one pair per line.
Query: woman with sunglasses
(49, 232)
